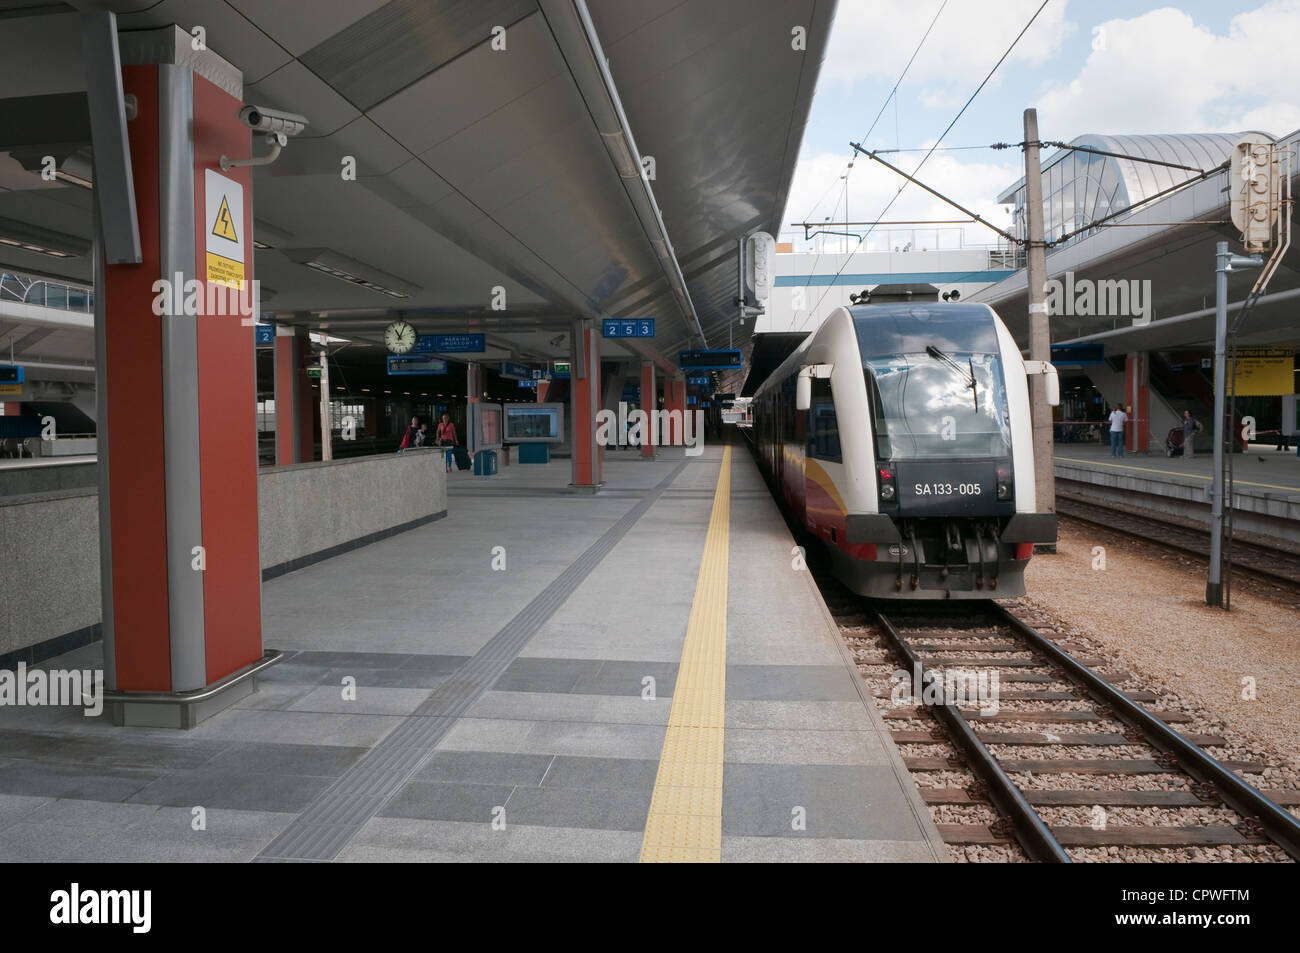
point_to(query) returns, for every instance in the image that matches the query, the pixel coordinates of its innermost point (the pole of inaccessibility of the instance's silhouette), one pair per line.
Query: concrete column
(293, 404)
(181, 584)
(585, 390)
(649, 403)
(1137, 395)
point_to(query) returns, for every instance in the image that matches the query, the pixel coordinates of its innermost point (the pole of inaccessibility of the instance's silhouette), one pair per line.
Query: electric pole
(1040, 335)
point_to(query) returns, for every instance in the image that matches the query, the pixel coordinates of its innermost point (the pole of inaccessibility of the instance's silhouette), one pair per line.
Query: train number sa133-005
(946, 489)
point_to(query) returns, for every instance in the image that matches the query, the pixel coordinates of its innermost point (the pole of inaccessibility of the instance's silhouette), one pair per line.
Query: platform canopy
(1166, 246)
(498, 148)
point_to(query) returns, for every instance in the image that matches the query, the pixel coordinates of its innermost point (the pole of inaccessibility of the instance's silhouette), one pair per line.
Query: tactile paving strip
(685, 820)
(327, 824)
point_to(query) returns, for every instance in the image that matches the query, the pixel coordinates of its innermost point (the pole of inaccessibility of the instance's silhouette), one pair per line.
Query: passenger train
(898, 434)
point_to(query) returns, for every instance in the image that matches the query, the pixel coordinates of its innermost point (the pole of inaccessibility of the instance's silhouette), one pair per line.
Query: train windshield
(936, 404)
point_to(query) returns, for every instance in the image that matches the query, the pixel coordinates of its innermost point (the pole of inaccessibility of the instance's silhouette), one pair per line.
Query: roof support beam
(575, 35)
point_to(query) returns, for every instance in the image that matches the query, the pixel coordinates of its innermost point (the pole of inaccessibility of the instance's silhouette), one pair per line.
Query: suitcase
(462, 458)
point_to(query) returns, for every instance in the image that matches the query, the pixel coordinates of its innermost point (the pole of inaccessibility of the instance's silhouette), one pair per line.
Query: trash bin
(485, 463)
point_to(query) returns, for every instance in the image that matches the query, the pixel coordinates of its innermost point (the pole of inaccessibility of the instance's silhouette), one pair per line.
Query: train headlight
(888, 493)
(1005, 490)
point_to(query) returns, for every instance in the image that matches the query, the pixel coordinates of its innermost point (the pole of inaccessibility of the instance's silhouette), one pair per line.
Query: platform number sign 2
(224, 201)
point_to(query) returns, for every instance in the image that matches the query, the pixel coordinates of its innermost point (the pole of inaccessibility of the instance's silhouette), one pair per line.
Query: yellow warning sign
(224, 203)
(223, 271)
(224, 227)
(11, 389)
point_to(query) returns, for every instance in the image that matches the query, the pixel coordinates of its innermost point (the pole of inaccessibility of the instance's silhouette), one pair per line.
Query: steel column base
(186, 709)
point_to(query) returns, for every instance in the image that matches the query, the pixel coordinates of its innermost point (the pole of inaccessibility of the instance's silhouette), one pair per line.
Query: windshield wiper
(938, 355)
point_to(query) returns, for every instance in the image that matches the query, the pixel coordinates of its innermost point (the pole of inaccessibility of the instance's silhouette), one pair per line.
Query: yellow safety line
(1194, 476)
(685, 821)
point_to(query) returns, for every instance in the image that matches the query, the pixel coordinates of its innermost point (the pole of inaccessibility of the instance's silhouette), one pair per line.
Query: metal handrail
(46, 284)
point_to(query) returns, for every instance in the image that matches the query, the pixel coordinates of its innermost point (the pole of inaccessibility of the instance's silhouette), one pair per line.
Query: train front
(951, 448)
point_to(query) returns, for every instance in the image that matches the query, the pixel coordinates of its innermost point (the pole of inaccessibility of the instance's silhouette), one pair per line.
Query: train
(898, 435)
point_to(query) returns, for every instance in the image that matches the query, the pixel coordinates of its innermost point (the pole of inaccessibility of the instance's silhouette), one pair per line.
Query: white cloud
(1163, 72)
(873, 39)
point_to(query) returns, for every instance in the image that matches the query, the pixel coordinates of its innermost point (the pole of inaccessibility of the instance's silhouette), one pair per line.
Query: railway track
(1276, 565)
(1059, 755)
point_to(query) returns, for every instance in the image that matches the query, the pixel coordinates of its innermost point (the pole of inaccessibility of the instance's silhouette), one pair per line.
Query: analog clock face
(400, 337)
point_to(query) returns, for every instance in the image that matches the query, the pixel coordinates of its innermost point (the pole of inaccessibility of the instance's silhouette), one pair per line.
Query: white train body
(913, 460)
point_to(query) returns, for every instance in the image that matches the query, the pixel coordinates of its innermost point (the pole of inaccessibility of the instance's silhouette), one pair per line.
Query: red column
(650, 404)
(178, 439)
(1137, 396)
(585, 389)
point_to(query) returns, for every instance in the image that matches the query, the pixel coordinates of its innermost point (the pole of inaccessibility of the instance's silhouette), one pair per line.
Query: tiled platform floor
(514, 715)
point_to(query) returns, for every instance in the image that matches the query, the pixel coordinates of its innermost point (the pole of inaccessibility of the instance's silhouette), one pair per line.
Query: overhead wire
(932, 149)
(893, 94)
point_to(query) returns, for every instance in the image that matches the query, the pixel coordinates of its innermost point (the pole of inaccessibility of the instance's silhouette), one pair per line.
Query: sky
(1087, 66)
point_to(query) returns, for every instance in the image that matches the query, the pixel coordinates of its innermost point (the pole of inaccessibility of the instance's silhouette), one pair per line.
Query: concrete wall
(313, 508)
(49, 542)
(49, 566)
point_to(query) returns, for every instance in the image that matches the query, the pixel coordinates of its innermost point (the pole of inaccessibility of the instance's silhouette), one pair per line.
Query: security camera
(265, 119)
(277, 125)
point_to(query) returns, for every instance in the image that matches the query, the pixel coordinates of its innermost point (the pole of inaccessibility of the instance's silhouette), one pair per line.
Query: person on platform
(422, 435)
(408, 438)
(1191, 427)
(1117, 421)
(446, 436)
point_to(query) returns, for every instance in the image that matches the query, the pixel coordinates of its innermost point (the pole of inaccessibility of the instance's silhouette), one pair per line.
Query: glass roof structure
(1079, 187)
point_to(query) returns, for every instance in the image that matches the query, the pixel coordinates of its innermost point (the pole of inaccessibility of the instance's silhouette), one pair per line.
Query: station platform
(643, 676)
(1266, 492)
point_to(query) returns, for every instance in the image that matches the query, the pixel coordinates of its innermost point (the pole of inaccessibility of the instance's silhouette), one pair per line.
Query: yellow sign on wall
(225, 230)
(11, 390)
(1265, 372)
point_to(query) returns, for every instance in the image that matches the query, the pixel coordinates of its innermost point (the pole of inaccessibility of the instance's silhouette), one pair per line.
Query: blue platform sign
(530, 384)
(512, 371)
(265, 334)
(451, 343)
(698, 381)
(415, 364)
(11, 374)
(708, 360)
(627, 327)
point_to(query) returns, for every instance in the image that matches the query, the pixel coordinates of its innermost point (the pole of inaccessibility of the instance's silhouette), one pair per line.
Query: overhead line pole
(1040, 334)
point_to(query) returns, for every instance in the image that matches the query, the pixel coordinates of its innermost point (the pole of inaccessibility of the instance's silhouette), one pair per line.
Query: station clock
(399, 337)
